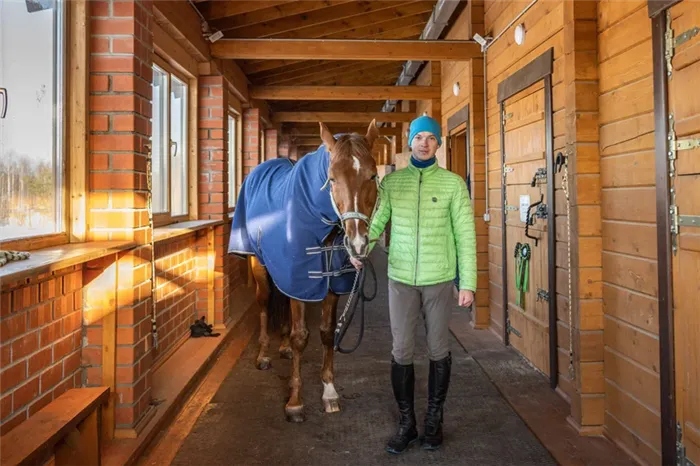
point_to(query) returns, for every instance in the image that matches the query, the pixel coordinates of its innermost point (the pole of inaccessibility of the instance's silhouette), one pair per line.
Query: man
(432, 238)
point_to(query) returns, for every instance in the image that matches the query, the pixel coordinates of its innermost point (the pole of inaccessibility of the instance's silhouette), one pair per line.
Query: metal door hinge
(687, 144)
(512, 329)
(506, 117)
(681, 454)
(542, 295)
(507, 169)
(686, 36)
(672, 147)
(510, 208)
(688, 220)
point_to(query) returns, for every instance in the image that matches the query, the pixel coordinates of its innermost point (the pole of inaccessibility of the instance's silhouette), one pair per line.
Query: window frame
(72, 131)
(166, 218)
(234, 155)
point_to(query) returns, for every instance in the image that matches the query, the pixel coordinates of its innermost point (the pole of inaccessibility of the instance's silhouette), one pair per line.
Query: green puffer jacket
(432, 227)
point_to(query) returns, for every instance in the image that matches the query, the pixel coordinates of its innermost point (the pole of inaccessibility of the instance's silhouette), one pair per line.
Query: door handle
(3, 109)
(173, 143)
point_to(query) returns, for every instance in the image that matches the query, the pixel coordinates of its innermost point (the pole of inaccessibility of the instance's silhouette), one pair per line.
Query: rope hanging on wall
(563, 161)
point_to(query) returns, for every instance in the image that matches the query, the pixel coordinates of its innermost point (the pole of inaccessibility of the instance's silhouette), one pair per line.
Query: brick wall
(251, 139)
(213, 137)
(175, 292)
(283, 146)
(271, 144)
(120, 130)
(40, 331)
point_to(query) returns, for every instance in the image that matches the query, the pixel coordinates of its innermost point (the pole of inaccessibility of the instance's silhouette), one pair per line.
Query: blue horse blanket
(283, 208)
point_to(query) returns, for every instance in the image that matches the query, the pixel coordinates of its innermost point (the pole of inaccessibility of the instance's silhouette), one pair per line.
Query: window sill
(175, 230)
(59, 257)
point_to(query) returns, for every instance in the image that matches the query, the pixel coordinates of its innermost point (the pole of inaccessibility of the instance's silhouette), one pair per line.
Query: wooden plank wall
(544, 23)
(629, 233)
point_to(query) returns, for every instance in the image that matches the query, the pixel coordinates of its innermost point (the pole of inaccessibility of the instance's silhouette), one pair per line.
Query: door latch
(3, 109)
(542, 295)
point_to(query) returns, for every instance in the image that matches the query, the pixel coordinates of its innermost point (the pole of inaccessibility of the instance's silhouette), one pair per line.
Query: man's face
(424, 145)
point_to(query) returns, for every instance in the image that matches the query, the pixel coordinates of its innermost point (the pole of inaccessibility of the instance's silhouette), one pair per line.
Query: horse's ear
(327, 137)
(372, 133)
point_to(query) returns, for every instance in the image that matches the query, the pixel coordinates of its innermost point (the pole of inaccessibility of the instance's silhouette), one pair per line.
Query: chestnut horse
(351, 187)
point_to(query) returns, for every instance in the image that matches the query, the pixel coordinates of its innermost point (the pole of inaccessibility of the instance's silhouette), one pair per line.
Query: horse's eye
(374, 177)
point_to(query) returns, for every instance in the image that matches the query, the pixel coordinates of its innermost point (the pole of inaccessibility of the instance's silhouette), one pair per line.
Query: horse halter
(351, 214)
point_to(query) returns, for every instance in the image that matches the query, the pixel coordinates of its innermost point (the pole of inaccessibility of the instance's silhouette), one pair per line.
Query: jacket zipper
(420, 182)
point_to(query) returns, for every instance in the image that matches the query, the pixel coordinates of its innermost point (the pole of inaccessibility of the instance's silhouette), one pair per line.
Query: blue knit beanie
(425, 123)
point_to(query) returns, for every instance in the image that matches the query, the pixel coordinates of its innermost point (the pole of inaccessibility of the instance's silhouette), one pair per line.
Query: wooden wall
(628, 225)
(544, 23)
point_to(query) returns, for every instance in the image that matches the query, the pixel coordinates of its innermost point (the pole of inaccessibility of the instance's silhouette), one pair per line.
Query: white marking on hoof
(330, 398)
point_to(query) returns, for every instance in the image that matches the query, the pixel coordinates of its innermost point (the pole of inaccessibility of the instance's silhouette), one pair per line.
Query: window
(170, 147)
(32, 67)
(232, 160)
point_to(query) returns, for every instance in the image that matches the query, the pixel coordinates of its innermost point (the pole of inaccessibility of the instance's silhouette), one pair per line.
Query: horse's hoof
(286, 353)
(331, 405)
(295, 413)
(263, 364)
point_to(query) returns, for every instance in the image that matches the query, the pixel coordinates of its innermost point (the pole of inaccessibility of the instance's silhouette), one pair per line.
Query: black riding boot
(438, 381)
(402, 381)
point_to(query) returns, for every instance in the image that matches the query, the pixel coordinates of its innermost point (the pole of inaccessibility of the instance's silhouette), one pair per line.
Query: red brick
(91, 356)
(123, 45)
(51, 377)
(62, 306)
(5, 355)
(100, 8)
(99, 45)
(206, 81)
(40, 315)
(114, 103)
(25, 346)
(72, 322)
(40, 403)
(123, 8)
(26, 393)
(14, 422)
(5, 406)
(116, 180)
(99, 123)
(13, 376)
(93, 376)
(113, 64)
(99, 162)
(25, 297)
(93, 335)
(63, 387)
(99, 83)
(13, 326)
(5, 304)
(129, 161)
(62, 348)
(108, 26)
(78, 300)
(71, 363)
(50, 333)
(40, 361)
(47, 290)
(216, 91)
(113, 142)
(73, 281)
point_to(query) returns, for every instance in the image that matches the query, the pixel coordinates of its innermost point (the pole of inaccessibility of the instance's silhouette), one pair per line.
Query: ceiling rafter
(320, 71)
(273, 13)
(313, 18)
(381, 27)
(220, 9)
(372, 72)
(345, 92)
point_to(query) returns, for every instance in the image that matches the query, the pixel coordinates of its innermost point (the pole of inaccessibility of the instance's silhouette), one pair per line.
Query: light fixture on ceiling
(520, 34)
(455, 88)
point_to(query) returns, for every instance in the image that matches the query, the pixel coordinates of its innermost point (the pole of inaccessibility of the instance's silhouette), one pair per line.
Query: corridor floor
(244, 424)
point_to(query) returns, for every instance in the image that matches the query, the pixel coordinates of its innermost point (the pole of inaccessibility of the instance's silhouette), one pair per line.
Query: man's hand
(466, 297)
(355, 262)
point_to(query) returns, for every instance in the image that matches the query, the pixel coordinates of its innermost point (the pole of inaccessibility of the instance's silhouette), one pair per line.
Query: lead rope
(565, 186)
(358, 290)
(149, 204)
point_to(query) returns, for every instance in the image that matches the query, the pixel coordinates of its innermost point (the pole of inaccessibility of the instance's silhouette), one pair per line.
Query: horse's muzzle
(358, 246)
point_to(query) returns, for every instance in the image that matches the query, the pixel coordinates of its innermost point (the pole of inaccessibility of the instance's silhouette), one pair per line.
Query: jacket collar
(426, 171)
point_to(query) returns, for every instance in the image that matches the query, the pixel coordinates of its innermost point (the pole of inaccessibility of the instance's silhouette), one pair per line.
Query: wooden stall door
(684, 105)
(525, 157)
(459, 156)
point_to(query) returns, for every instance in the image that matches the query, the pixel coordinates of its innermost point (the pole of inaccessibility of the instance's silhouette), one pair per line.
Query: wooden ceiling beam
(339, 49)
(311, 129)
(312, 18)
(343, 117)
(378, 75)
(220, 9)
(179, 20)
(251, 67)
(273, 13)
(345, 92)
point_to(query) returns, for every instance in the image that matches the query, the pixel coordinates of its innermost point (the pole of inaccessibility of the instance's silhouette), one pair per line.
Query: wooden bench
(67, 429)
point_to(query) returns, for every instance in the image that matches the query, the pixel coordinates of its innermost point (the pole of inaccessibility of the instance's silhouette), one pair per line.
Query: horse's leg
(263, 297)
(331, 400)
(299, 337)
(285, 345)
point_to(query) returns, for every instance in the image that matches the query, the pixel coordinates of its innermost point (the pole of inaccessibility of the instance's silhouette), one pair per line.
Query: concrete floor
(245, 424)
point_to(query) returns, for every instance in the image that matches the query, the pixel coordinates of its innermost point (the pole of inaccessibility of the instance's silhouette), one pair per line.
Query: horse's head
(353, 178)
